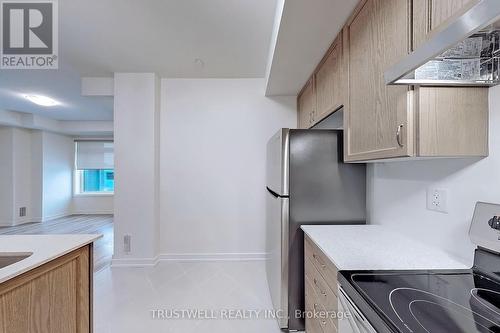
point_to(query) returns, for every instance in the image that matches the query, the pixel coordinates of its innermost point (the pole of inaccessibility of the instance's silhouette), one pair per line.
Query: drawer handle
(323, 323)
(319, 262)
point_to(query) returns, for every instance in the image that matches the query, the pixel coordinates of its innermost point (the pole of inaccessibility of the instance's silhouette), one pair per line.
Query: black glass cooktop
(429, 302)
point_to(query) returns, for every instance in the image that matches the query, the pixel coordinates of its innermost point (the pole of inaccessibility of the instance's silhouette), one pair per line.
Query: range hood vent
(465, 53)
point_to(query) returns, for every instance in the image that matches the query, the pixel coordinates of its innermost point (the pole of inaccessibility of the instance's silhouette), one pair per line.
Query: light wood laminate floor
(75, 224)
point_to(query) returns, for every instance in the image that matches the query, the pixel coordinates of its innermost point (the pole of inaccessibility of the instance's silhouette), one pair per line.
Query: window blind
(91, 155)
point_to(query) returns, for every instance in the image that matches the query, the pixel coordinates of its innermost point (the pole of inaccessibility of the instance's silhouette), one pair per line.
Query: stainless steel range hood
(465, 53)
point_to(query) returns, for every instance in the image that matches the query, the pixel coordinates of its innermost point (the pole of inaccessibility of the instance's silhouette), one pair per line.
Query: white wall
(22, 174)
(16, 189)
(37, 169)
(58, 164)
(6, 180)
(397, 192)
(36, 175)
(136, 112)
(212, 182)
(92, 204)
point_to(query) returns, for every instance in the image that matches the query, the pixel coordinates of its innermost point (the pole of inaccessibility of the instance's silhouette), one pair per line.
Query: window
(94, 167)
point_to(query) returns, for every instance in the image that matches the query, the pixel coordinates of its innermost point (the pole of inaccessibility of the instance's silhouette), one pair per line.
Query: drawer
(312, 325)
(325, 295)
(326, 268)
(313, 304)
(317, 325)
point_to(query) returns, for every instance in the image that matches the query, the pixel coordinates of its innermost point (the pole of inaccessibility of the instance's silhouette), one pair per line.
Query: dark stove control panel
(495, 222)
(485, 227)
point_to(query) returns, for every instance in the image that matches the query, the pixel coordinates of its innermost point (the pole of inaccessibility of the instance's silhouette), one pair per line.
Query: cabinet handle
(317, 285)
(398, 136)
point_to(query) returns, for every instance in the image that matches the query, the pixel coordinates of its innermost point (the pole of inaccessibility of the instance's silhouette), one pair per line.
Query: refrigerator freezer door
(277, 162)
(277, 254)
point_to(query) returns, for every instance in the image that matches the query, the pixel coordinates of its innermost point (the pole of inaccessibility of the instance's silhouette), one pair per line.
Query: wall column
(136, 137)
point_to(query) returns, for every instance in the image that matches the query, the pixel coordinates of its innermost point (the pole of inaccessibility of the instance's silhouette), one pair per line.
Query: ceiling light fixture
(41, 100)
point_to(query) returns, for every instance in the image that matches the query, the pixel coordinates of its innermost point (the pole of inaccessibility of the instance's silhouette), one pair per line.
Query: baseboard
(134, 262)
(187, 257)
(56, 216)
(13, 223)
(93, 212)
(7, 223)
(211, 257)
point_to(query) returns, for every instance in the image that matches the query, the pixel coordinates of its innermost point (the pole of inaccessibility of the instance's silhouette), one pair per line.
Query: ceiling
(63, 85)
(305, 32)
(174, 38)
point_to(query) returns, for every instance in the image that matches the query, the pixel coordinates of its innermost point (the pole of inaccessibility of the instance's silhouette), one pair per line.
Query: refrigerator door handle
(274, 194)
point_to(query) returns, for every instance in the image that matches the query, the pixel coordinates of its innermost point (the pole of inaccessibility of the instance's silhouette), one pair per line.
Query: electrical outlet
(437, 200)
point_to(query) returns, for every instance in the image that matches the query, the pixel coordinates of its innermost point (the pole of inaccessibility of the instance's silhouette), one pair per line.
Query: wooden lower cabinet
(320, 291)
(53, 298)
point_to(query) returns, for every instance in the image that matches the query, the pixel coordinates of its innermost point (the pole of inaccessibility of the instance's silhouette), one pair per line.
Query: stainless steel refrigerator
(307, 183)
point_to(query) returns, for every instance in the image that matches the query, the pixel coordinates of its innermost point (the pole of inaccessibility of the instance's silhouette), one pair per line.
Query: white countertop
(44, 248)
(373, 247)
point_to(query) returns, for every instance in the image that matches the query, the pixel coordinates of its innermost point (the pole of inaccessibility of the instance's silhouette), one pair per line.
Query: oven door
(354, 321)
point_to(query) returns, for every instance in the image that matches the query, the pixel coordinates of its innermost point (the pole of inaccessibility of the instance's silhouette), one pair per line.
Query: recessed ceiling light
(41, 100)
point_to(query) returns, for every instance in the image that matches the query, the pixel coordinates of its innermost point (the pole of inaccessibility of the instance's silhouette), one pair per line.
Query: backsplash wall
(397, 193)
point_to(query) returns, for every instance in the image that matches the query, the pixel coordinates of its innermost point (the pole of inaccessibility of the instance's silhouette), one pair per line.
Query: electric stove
(431, 301)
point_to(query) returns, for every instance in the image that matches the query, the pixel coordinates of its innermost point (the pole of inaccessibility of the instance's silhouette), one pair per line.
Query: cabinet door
(431, 15)
(452, 121)
(53, 298)
(305, 104)
(377, 119)
(330, 85)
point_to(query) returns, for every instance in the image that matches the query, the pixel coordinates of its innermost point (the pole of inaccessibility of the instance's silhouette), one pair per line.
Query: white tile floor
(124, 298)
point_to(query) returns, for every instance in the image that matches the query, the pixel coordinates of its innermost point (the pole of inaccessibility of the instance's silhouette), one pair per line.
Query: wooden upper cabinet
(394, 121)
(451, 121)
(330, 85)
(306, 106)
(378, 118)
(430, 16)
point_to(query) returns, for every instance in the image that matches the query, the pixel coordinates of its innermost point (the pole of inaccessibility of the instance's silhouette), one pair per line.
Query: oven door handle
(358, 322)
